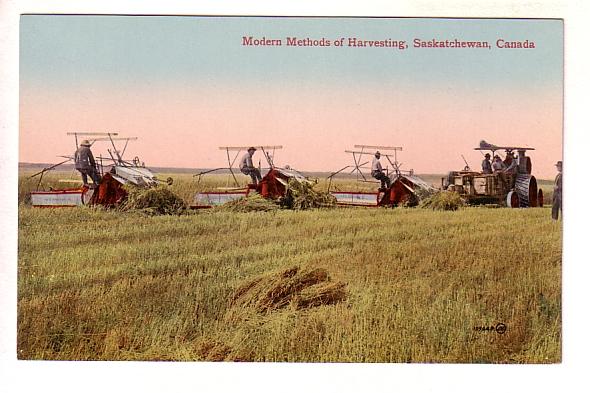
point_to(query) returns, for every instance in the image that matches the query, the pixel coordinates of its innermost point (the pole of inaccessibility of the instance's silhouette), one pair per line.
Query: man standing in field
(486, 165)
(247, 167)
(85, 164)
(377, 171)
(556, 205)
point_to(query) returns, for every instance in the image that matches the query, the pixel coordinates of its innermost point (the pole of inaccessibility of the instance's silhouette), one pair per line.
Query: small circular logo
(501, 328)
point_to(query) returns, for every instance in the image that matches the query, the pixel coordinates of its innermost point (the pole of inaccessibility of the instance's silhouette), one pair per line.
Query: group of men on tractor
(509, 166)
(502, 168)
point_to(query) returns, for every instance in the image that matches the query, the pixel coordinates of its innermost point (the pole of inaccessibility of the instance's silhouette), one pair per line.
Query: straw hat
(251, 148)
(85, 142)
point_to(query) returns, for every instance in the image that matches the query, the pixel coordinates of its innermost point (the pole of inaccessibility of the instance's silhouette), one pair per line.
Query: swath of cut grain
(153, 201)
(252, 203)
(444, 200)
(278, 290)
(327, 293)
(302, 196)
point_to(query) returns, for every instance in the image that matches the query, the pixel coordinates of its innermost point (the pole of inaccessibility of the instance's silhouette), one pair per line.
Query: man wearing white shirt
(377, 171)
(247, 166)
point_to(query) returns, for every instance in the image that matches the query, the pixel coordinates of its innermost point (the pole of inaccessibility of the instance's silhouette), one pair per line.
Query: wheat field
(417, 285)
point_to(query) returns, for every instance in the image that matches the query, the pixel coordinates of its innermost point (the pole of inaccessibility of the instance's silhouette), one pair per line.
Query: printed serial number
(499, 328)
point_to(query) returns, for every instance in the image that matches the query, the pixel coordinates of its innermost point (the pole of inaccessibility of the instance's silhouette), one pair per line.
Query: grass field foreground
(420, 285)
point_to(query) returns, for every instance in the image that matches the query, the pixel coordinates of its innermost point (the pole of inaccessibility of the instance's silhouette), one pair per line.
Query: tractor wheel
(526, 187)
(512, 199)
(540, 198)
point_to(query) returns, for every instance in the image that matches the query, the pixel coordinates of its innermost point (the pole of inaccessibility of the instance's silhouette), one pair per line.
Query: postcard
(285, 189)
(422, 101)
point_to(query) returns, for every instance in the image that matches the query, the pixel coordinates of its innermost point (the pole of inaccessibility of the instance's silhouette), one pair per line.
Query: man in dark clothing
(511, 170)
(377, 171)
(85, 164)
(486, 165)
(556, 205)
(509, 157)
(247, 167)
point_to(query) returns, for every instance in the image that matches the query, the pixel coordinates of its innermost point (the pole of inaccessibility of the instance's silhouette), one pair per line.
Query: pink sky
(183, 127)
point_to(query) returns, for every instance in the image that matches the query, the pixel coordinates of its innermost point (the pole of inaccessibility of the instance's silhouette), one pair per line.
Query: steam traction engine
(516, 188)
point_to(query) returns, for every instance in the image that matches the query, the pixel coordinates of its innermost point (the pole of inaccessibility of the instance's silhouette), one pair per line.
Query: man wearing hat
(486, 165)
(511, 169)
(377, 171)
(85, 164)
(247, 167)
(556, 205)
(498, 165)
